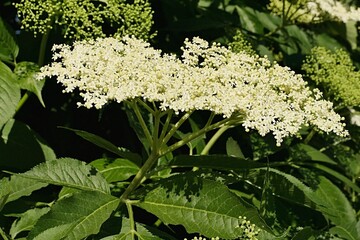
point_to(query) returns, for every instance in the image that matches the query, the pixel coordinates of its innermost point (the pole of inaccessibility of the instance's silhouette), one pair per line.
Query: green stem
(176, 127)
(155, 137)
(309, 136)
(22, 101)
(42, 52)
(166, 125)
(182, 142)
(3, 235)
(140, 174)
(213, 139)
(131, 219)
(136, 109)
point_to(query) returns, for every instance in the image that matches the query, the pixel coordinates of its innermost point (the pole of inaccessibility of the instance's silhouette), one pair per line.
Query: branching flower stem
(214, 138)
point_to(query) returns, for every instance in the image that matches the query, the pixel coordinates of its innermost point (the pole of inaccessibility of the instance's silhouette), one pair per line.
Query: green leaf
(9, 93)
(9, 49)
(342, 232)
(307, 152)
(27, 221)
(233, 149)
(26, 75)
(142, 231)
(21, 187)
(305, 234)
(4, 192)
(336, 174)
(300, 38)
(215, 162)
(115, 170)
(105, 144)
(333, 204)
(75, 217)
(21, 148)
(70, 173)
(200, 205)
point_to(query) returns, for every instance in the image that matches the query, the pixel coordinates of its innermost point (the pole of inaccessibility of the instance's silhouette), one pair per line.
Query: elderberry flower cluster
(269, 98)
(309, 11)
(336, 73)
(83, 19)
(249, 231)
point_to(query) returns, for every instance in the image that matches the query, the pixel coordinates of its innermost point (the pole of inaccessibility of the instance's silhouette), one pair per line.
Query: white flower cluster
(249, 231)
(308, 11)
(270, 98)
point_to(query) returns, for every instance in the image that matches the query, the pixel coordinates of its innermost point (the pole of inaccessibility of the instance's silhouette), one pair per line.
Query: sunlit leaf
(9, 94)
(200, 205)
(70, 173)
(75, 217)
(27, 221)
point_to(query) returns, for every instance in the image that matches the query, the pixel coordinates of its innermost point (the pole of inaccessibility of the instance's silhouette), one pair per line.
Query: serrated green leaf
(200, 205)
(233, 149)
(21, 148)
(105, 144)
(9, 94)
(215, 162)
(115, 170)
(21, 187)
(26, 76)
(9, 49)
(27, 221)
(70, 173)
(75, 217)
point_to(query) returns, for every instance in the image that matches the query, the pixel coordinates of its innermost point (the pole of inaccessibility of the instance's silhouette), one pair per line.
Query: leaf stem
(131, 219)
(22, 101)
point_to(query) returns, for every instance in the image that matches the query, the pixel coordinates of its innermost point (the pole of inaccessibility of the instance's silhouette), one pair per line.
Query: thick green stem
(22, 101)
(140, 175)
(213, 139)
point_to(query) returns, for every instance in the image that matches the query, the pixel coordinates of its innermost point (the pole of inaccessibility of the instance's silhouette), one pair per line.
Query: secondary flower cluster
(308, 11)
(334, 71)
(270, 98)
(81, 19)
